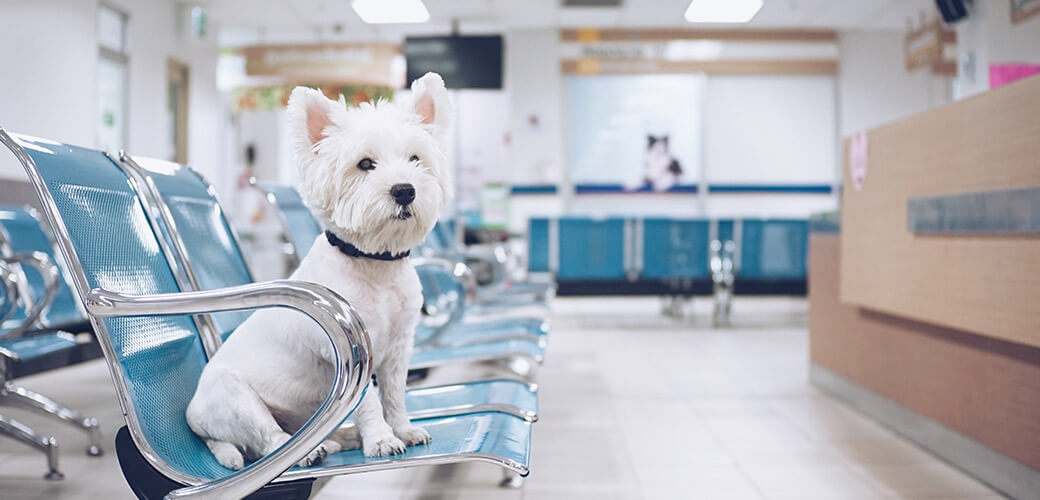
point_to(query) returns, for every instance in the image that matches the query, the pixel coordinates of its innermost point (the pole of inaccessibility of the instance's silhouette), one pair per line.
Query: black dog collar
(352, 251)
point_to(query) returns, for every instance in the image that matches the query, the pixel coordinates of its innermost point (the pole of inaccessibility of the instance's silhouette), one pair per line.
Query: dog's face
(377, 173)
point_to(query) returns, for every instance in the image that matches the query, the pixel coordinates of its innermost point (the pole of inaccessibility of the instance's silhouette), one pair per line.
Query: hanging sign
(343, 63)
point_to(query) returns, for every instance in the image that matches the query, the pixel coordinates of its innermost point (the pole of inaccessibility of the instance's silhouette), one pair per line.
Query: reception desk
(925, 303)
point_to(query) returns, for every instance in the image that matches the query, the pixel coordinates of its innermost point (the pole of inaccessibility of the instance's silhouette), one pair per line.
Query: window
(112, 74)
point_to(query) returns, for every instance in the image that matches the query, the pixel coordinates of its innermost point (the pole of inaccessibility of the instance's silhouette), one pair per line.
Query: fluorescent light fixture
(391, 11)
(722, 11)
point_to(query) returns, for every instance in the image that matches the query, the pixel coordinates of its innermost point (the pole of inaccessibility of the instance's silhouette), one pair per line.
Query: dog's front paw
(412, 435)
(317, 455)
(382, 447)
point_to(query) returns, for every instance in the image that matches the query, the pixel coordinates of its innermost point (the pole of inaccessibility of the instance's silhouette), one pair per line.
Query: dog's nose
(403, 193)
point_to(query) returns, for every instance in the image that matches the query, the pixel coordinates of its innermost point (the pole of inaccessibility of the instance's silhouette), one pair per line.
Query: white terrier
(377, 175)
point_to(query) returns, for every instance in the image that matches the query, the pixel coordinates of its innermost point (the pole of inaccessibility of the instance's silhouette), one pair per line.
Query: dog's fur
(275, 370)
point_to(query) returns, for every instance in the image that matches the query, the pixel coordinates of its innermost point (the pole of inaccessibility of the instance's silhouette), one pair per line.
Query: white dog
(377, 175)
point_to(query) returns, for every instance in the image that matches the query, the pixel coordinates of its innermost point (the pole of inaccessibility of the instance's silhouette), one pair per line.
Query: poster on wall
(632, 133)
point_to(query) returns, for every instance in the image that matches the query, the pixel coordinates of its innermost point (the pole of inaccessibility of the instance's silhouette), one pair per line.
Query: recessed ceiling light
(722, 11)
(391, 11)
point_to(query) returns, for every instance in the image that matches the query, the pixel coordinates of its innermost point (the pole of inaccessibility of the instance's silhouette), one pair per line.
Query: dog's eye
(414, 158)
(366, 164)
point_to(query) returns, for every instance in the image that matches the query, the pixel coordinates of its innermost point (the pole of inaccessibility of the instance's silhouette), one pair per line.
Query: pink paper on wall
(1003, 74)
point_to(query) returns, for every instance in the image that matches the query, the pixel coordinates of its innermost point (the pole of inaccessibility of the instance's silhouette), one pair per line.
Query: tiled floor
(633, 405)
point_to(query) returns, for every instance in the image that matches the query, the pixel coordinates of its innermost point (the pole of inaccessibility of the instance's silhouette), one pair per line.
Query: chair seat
(527, 288)
(488, 351)
(37, 345)
(512, 307)
(495, 437)
(507, 396)
(468, 333)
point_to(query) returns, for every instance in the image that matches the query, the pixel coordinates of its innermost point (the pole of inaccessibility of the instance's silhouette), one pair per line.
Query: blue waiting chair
(22, 231)
(299, 227)
(498, 291)
(194, 227)
(446, 286)
(26, 337)
(142, 316)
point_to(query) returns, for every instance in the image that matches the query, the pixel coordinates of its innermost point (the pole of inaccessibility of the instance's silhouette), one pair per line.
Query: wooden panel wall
(982, 387)
(988, 285)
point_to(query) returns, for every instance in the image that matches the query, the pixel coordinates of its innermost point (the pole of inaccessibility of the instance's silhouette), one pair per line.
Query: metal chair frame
(15, 395)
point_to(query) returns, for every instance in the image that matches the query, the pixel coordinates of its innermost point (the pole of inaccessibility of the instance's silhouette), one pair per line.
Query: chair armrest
(10, 284)
(351, 348)
(464, 274)
(458, 269)
(49, 272)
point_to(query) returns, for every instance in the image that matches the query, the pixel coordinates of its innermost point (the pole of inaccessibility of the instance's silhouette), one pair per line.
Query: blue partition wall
(668, 256)
(773, 249)
(592, 249)
(675, 249)
(538, 246)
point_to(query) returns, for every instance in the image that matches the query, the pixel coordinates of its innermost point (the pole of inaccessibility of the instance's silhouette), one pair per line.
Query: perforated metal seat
(136, 302)
(37, 345)
(485, 351)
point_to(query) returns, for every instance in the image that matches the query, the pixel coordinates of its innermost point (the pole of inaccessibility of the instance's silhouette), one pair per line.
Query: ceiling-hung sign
(685, 51)
(333, 63)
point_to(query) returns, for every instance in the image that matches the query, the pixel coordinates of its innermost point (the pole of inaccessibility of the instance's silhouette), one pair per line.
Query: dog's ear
(310, 116)
(431, 102)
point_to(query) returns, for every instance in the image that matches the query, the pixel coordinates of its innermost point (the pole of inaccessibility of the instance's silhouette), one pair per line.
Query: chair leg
(20, 396)
(48, 445)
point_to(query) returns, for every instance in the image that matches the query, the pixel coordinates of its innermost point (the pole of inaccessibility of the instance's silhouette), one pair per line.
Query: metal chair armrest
(469, 285)
(351, 348)
(10, 283)
(49, 272)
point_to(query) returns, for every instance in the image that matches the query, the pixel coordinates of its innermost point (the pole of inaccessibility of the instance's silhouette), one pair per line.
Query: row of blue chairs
(164, 280)
(43, 326)
(667, 256)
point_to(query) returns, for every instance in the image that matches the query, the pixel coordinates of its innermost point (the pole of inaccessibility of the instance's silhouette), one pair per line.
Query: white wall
(988, 36)
(48, 85)
(873, 85)
(769, 129)
(533, 82)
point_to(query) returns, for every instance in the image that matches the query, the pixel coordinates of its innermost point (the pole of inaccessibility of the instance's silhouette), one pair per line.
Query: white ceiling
(277, 20)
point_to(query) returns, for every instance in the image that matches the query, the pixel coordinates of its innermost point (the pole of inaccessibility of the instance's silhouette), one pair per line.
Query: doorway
(177, 81)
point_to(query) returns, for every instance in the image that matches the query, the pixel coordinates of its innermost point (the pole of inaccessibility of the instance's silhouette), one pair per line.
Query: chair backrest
(442, 293)
(773, 249)
(538, 243)
(108, 242)
(206, 236)
(592, 249)
(299, 223)
(675, 248)
(24, 232)
(444, 235)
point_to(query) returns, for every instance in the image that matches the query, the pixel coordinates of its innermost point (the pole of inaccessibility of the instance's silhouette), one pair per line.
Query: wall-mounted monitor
(465, 62)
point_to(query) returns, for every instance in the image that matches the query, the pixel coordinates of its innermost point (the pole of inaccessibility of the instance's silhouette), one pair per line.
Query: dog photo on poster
(635, 133)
